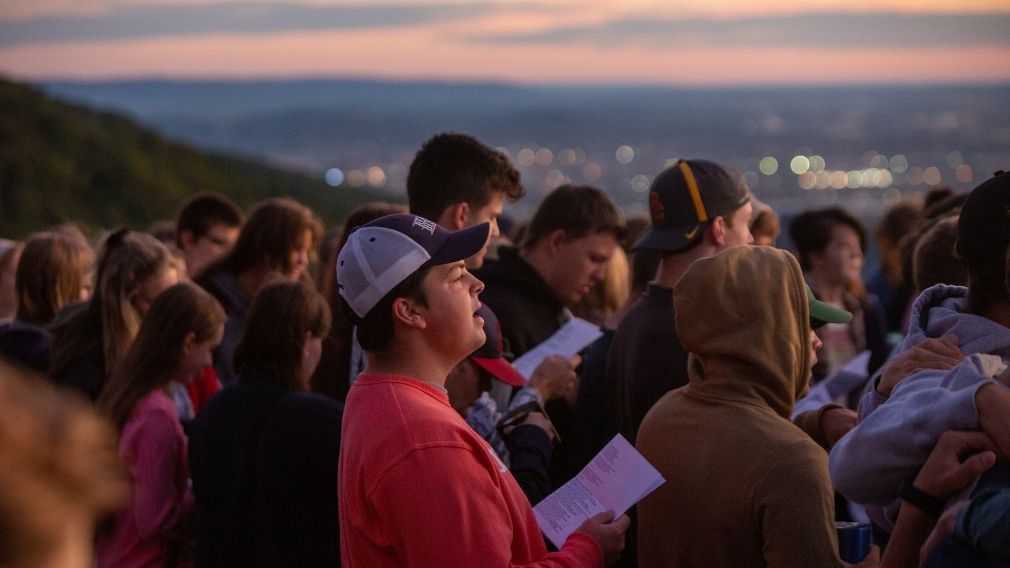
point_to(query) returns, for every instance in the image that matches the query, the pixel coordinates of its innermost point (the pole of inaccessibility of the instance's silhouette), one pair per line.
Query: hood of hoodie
(743, 316)
(943, 309)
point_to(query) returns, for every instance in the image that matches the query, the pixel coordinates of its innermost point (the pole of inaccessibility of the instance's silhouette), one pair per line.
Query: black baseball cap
(685, 197)
(983, 228)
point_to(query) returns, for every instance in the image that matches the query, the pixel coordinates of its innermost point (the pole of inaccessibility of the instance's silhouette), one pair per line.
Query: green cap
(822, 313)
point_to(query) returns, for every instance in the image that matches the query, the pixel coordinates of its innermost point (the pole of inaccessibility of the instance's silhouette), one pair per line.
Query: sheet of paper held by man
(617, 478)
(573, 337)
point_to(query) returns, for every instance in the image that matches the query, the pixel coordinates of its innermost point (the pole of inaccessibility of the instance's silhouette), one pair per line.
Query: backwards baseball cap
(685, 197)
(822, 313)
(381, 254)
(983, 229)
(494, 356)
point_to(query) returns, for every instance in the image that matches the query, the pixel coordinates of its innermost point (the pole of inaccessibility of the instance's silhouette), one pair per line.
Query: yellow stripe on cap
(692, 188)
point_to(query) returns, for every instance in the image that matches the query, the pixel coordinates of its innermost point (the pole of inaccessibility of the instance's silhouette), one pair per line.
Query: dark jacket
(264, 467)
(526, 307)
(25, 344)
(529, 313)
(78, 365)
(224, 286)
(646, 359)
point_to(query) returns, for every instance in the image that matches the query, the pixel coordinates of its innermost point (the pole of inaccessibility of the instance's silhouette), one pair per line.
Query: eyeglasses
(217, 241)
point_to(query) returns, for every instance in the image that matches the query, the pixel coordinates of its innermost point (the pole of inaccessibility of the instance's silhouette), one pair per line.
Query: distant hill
(61, 162)
(356, 125)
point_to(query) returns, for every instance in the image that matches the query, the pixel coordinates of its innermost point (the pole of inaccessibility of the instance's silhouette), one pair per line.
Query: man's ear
(717, 231)
(409, 314)
(555, 239)
(188, 342)
(454, 217)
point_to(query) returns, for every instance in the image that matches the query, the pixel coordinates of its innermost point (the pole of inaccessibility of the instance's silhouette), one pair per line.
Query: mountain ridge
(64, 162)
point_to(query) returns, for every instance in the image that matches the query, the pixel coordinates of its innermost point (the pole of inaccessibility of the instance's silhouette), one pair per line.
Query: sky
(667, 42)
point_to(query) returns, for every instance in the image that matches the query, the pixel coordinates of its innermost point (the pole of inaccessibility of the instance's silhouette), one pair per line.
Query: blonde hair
(125, 261)
(58, 466)
(611, 293)
(50, 275)
(616, 282)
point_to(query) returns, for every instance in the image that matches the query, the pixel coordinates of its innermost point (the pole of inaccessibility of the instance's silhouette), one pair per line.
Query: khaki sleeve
(810, 422)
(796, 508)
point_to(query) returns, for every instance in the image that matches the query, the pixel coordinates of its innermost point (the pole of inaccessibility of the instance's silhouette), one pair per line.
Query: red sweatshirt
(419, 488)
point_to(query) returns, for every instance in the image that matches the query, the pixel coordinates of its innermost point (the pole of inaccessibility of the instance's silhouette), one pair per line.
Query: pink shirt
(153, 446)
(419, 488)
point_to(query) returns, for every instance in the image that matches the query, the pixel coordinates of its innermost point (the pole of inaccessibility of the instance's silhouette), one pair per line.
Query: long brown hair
(50, 275)
(125, 260)
(275, 227)
(275, 330)
(155, 354)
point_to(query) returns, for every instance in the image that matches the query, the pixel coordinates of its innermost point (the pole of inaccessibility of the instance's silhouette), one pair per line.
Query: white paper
(617, 478)
(573, 337)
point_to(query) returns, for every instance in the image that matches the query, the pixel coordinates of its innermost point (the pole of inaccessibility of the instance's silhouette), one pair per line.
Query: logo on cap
(656, 207)
(424, 224)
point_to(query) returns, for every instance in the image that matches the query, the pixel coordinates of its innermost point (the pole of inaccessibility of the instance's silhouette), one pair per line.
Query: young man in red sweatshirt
(418, 487)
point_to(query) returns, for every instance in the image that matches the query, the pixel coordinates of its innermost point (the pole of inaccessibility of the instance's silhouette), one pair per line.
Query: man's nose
(477, 286)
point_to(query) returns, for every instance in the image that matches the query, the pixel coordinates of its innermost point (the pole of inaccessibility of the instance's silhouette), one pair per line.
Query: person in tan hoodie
(744, 486)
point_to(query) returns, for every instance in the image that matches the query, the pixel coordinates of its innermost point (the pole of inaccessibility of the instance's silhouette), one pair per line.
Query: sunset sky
(686, 42)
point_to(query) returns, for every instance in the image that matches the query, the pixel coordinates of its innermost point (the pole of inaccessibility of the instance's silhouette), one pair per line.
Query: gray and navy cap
(381, 254)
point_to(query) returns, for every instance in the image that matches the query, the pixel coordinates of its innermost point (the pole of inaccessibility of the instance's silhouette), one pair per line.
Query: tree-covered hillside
(60, 163)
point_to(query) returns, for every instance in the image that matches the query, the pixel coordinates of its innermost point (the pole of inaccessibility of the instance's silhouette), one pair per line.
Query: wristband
(927, 503)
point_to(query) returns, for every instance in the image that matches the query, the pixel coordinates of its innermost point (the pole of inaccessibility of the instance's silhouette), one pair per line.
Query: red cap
(491, 355)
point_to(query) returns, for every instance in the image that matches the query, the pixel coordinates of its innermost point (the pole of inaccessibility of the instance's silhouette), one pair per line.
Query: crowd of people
(248, 390)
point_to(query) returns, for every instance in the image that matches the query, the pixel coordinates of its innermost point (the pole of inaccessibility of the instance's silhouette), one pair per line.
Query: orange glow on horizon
(439, 50)
(382, 54)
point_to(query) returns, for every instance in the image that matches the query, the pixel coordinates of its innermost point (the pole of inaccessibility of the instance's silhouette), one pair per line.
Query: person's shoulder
(154, 415)
(783, 438)
(224, 286)
(508, 274)
(379, 403)
(396, 423)
(86, 373)
(238, 395)
(648, 321)
(156, 405)
(507, 258)
(799, 459)
(671, 405)
(67, 316)
(650, 314)
(309, 406)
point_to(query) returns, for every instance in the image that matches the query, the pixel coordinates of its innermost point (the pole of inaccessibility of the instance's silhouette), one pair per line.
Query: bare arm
(943, 474)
